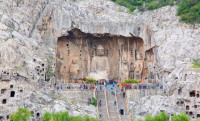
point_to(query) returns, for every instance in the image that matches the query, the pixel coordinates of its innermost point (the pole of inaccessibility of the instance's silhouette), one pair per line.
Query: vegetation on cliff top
(188, 10)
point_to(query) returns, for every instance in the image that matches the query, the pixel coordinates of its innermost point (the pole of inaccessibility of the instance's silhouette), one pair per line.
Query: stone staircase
(113, 110)
(122, 104)
(103, 108)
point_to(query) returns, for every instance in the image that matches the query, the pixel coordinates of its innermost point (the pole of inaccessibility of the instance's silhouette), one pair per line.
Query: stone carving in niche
(100, 68)
(124, 69)
(74, 69)
(131, 72)
(138, 67)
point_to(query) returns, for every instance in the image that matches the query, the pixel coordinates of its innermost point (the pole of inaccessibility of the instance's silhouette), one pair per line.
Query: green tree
(21, 115)
(160, 117)
(94, 101)
(180, 117)
(64, 116)
(130, 81)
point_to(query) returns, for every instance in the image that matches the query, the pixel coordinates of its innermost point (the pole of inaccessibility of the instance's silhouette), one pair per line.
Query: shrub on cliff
(90, 80)
(94, 101)
(130, 81)
(21, 115)
(196, 63)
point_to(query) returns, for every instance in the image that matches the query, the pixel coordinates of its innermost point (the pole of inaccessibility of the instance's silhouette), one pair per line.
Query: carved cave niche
(4, 101)
(192, 94)
(83, 46)
(3, 91)
(187, 107)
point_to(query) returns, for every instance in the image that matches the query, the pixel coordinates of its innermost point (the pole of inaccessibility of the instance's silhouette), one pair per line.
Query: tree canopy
(21, 115)
(90, 80)
(188, 10)
(130, 81)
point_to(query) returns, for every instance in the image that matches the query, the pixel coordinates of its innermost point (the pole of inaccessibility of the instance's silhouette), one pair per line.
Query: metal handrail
(117, 104)
(127, 108)
(97, 100)
(106, 104)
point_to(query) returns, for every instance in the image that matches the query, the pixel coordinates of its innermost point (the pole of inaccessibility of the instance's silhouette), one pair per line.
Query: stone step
(103, 119)
(114, 119)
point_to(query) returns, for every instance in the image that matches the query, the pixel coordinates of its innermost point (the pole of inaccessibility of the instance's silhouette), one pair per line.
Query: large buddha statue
(74, 69)
(100, 68)
(138, 67)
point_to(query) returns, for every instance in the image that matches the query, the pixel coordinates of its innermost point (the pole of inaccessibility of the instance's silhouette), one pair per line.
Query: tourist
(80, 86)
(100, 87)
(112, 92)
(100, 103)
(100, 114)
(115, 103)
(124, 94)
(84, 86)
(111, 87)
(57, 87)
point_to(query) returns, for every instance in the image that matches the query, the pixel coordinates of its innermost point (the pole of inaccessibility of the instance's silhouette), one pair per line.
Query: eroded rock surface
(29, 31)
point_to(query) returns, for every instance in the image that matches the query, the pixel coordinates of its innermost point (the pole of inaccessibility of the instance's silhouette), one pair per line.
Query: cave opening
(11, 86)
(192, 94)
(3, 91)
(38, 114)
(187, 107)
(198, 115)
(4, 101)
(81, 54)
(12, 94)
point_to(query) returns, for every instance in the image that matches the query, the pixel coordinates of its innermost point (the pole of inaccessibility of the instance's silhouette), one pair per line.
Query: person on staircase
(115, 103)
(100, 103)
(100, 114)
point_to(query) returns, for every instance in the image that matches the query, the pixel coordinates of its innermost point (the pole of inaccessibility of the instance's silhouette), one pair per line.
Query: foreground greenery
(164, 117)
(196, 63)
(24, 115)
(188, 10)
(21, 115)
(64, 116)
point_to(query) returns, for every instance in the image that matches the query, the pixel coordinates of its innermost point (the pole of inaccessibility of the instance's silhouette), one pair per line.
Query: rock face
(19, 93)
(32, 33)
(99, 56)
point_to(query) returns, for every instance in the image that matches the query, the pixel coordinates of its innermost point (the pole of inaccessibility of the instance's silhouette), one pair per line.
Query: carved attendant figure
(74, 69)
(124, 69)
(138, 67)
(131, 73)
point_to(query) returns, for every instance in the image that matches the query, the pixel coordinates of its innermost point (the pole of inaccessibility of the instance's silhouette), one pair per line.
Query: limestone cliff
(29, 30)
